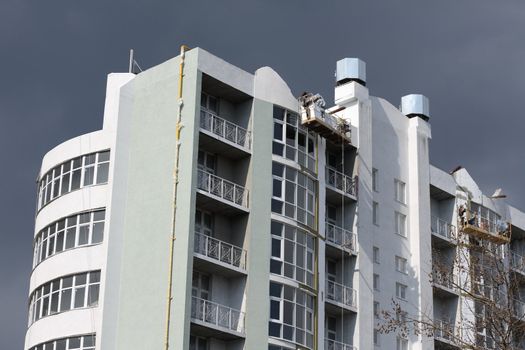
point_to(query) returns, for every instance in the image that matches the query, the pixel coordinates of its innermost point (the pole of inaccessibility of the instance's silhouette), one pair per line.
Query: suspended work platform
(317, 119)
(471, 223)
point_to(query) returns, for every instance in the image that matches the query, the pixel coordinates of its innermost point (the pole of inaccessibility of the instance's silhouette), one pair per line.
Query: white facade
(261, 208)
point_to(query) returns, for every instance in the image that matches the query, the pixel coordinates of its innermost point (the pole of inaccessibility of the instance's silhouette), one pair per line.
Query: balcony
(442, 229)
(444, 332)
(517, 262)
(221, 321)
(217, 256)
(498, 232)
(446, 282)
(341, 296)
(341, 183)
(224, 136)
(335, 345)
(226, 195)
(519, 309)
(341, 239)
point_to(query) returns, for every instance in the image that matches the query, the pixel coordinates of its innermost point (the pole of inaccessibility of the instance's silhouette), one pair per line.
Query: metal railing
(217, 315)
(335, 345)
(447, 279)
(342, 182)
(519, 308)
(341, 294)
(345, 239)
(225, 129)
(442, 228)
(494, 227)
(222, 188)
(444, 330)
(220, 251)
(517, 261)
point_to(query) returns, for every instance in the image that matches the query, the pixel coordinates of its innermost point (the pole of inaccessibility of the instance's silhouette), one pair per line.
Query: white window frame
(375, 213)
(400, 191)
(400, 224)
(401, 291)
(402, 343)
(376, 282)
(401, 264)
(375, 179)
(376, 255)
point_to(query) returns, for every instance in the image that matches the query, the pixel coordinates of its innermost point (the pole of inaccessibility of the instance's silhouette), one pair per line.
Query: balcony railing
(474, 223)
(217, 315)
(442, 228)
(444, 330)
(340, 181)
(341, 294)
(222, 188)
(519, 309)
(335, 345)
(220, 251)
(341, 237)
(224, 129)
(445, 279)
(518, 262)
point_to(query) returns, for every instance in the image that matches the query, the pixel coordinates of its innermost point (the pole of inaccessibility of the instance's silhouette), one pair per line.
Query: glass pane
(98, 232)
(83, 235)
(93, 295)
(80, 294)
(103, 156)
(89, 175)
(65, 301)
(102, 173)
(75, 180)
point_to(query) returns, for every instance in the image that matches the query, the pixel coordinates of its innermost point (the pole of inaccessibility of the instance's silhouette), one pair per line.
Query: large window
(63, 294)
(294, 194)
(291, 314)
(75, 231)
(87, 170)
(293, 252)
(81, 342)
(291, 140)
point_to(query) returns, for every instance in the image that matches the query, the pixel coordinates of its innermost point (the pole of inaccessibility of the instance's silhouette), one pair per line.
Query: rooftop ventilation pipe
(350, 69)
(415, 105)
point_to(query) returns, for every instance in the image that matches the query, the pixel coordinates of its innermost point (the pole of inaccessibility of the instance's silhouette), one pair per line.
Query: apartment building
(217, 210)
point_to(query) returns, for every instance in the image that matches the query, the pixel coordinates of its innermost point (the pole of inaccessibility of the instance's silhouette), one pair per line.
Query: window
(375, 213)
(376, 281)
(207, 162)
(81, 342)
(291, 140)
(63, 294)
(291, 314)
(72, 232)
(293, 252)
(400, 191)
(400, 224)
(87, 170)
(377, 309)
(374, 180)
(198, 343)
(294, 194)
(377, 337)
(331, 328)
(401, 264)
(210, 103)
(401, 343)
(401, 291)
(376, 255)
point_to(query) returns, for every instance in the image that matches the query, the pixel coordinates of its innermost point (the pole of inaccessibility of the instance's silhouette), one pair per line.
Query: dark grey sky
(467, 56)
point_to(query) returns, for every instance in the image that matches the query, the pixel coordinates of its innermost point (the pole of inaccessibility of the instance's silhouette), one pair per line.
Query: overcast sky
(467, 56)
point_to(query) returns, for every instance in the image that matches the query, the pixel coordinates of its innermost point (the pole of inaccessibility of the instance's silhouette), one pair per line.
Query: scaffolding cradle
(482, 228)
(318, 120)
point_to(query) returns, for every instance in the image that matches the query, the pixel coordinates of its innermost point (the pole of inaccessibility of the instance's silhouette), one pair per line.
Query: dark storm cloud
(466, 56)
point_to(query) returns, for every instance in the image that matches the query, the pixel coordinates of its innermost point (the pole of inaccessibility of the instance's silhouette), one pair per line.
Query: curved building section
(70, 239)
